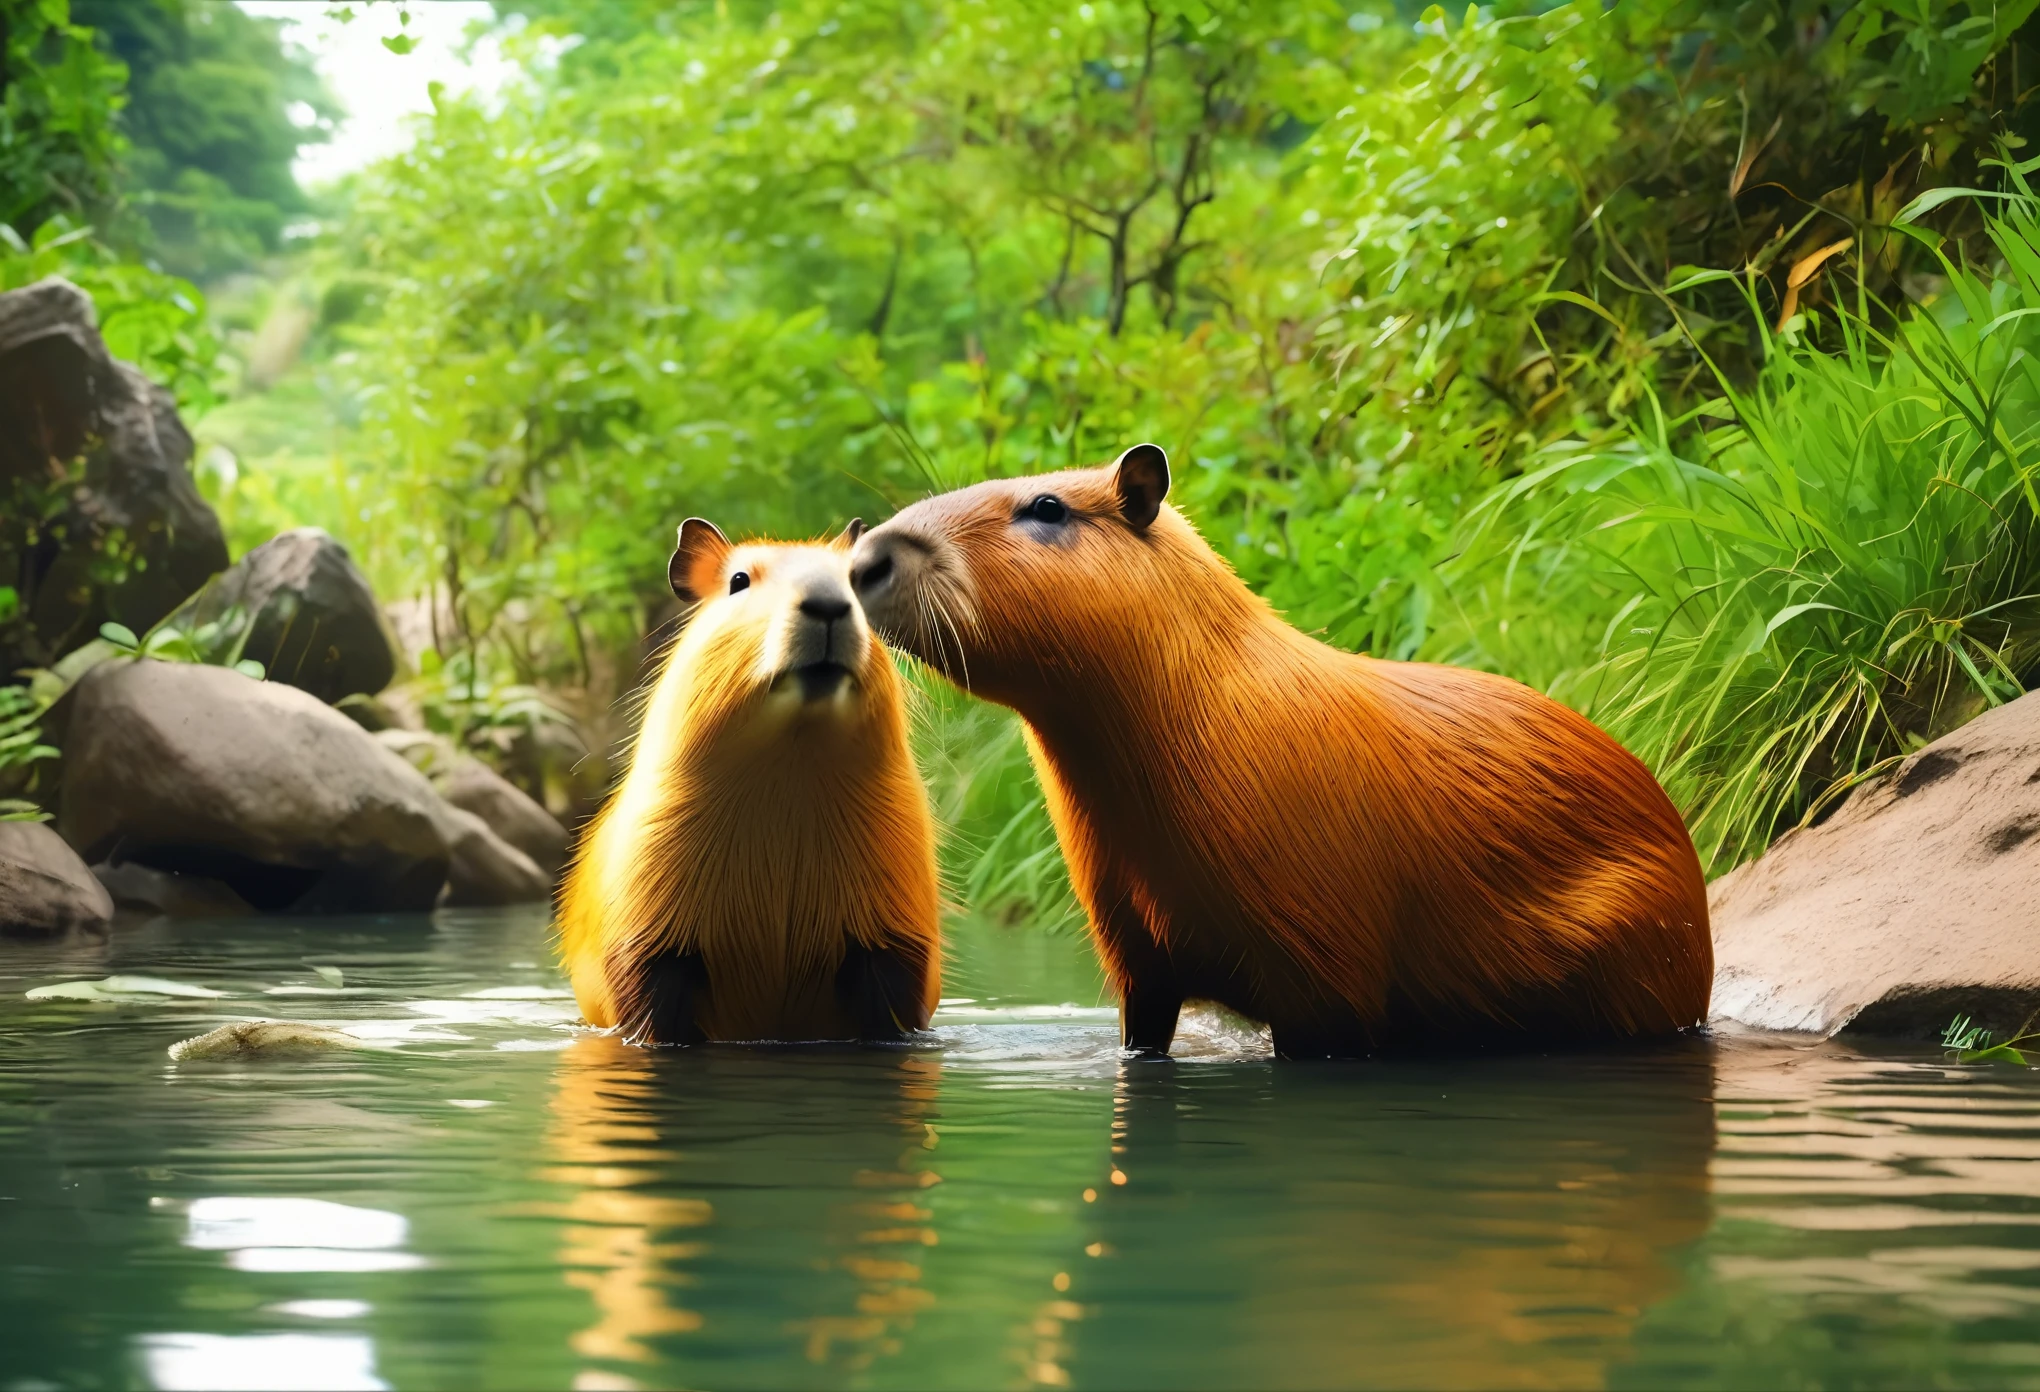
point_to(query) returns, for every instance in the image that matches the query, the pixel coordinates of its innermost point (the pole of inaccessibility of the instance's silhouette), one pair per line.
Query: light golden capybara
(766, 870)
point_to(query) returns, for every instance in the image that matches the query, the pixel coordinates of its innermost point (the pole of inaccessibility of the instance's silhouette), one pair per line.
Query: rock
(44, 886)
(132, 538)
(486, 869)
(203, 771)
(473, 786)
(1918, 900)
(308, 614)
(168, 893)
(263, 1038)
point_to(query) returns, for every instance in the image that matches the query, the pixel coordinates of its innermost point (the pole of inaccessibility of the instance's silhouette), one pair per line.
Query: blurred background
(1674, 356)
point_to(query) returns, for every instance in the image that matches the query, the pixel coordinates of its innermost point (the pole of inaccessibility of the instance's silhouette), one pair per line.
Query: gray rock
(1918, 900)
(168, 893)
(308, 615)
(44, 886)
(487, 869)
(134, 539)
(203, 771)
(473, 786)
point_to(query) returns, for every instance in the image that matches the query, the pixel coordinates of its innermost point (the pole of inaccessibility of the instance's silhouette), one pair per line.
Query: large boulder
(262, 787)
(44, 886)
(305, 612)
(486, 869)
(99, 516)
(1918, 900)
(474, 787)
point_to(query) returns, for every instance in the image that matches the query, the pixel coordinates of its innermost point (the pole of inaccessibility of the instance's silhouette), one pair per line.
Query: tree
(217, 109)
(59, 102)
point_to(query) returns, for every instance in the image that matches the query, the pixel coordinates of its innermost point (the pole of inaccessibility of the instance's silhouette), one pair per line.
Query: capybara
(766, 870)
(1367, 855)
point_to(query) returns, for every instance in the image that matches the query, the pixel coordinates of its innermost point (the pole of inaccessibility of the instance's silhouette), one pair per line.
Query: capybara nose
(870, 575)
(827, 608)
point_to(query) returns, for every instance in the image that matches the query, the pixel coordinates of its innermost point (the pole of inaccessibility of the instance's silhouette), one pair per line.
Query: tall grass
(999, 854)
(1769, 610)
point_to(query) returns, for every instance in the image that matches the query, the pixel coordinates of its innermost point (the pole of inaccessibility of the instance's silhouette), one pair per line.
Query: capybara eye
(1048, 508)
(740, 582)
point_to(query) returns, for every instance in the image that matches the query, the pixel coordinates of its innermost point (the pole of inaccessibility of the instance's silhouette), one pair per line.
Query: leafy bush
(782, 263)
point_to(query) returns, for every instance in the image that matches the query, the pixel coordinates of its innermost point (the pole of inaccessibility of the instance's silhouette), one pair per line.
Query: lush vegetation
(1636, 351)
(216, 110)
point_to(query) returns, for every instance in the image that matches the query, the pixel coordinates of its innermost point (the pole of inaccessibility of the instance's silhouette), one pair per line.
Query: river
(493, 1196)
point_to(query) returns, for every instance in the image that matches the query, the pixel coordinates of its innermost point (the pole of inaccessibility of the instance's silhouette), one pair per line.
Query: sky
(378, 88)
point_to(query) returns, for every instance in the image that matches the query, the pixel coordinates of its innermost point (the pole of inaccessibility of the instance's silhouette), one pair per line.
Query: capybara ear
(850, 534)
(695, 571)
(1142, 481)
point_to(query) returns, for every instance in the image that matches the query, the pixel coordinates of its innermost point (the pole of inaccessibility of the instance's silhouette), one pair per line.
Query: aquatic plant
(1971, 1044)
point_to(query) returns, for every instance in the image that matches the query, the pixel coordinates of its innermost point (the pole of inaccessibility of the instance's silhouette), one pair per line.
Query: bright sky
(380, 89)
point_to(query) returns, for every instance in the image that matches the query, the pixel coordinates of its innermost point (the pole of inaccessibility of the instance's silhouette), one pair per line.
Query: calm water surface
(496, 1197)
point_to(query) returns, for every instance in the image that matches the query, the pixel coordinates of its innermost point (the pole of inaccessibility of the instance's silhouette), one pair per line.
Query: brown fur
(766, 846)
(1365, 854)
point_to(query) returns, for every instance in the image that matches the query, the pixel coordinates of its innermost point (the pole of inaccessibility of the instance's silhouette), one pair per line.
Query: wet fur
(757, 877)
(1365, 854)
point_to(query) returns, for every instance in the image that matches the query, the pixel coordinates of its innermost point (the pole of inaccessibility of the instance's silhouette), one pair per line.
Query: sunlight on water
(497, 1196)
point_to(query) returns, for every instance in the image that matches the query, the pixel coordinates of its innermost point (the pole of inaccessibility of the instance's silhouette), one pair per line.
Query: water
(494, 1197)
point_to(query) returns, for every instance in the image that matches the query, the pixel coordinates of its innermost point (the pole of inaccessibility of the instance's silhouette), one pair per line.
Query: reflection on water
(259, 1362)
(495, 1197)
(834, 1149)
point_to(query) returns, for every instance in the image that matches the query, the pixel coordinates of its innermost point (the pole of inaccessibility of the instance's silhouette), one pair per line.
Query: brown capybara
(1365, 854)
(767, 868)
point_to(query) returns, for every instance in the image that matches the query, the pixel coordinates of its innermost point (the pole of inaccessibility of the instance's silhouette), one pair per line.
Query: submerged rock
(168, 893)
(263, 1038)
(260, 786)
(473, 786)
(1918, 900)
(44, 886)
(309, 616)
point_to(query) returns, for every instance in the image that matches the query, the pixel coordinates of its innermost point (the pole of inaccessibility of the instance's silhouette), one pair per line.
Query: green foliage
(999, 849)
(59, 100)
(209, 127)
(157, 322)
(780, 264)
(1770, 610)
(1971, 1044)
(21, 748)
(217, 642)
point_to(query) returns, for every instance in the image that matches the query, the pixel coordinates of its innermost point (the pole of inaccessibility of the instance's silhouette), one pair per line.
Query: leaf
(249, 667)
(332, 976)
(120, 635)
(1934, 198)
(400, 44)
(1804, 268)
(1793, 611)
(1690, 277)
(1575, 298)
